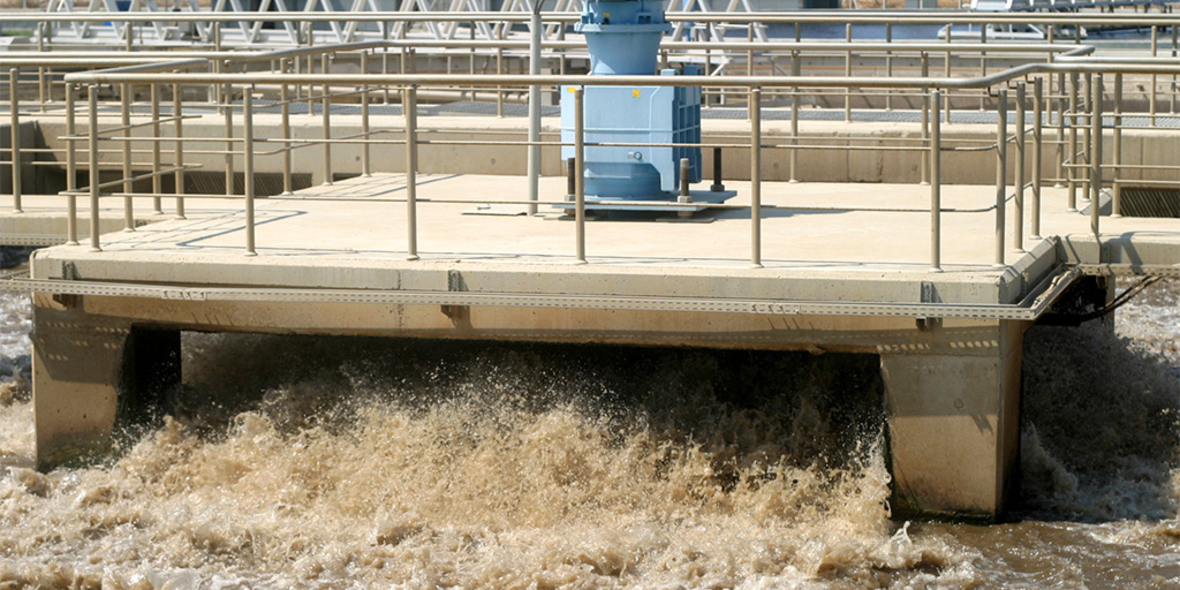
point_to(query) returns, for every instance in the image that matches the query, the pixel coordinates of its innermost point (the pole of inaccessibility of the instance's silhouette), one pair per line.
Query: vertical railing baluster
(285, 122)
(1087, 106)
(1116, 203)
(848, 72)
(178, 149)
(410, 110)
(1096, 158)
(1038, 153)
(15, 138)
(1001, 171)
(128, 185)
(92, 133)
(1060, 100)
(935, 157)
(327, 122)
(1151, 109)
(1018, 171)
(755, 108)
(71, 169)
(157, 180)
(366, 162)
(794, 160)
(579, 176)
(924, 165)
(889, 65)
(248, 166)
(227, 98)
(1072, 157)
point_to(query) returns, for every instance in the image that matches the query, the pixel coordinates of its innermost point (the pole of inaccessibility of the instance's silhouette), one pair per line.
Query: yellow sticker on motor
(572, 89)
(635, 93)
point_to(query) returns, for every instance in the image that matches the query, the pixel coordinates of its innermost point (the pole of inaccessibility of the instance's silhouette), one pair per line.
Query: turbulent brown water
(329, 463)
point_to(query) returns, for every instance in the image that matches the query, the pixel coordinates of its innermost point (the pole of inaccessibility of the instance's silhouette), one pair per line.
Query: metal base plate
(665, 205)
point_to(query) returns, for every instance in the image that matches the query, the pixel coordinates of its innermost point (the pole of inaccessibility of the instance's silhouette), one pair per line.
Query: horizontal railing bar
(785, 17)
(122, 75)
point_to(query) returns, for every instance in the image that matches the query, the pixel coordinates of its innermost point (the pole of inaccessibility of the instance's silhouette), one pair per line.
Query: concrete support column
(954, 422)
(91, 373)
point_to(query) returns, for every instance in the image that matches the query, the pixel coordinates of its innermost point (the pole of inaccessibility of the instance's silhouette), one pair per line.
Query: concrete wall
(491, 157)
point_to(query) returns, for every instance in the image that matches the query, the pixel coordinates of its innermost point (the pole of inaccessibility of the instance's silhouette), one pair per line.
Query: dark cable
(1120, 300)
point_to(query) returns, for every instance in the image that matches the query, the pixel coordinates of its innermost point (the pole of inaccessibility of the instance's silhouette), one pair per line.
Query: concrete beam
(954, 423)
(91, 372)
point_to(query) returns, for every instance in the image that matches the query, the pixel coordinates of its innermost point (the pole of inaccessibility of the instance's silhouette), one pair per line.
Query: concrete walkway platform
(846, 268)
(835, 242)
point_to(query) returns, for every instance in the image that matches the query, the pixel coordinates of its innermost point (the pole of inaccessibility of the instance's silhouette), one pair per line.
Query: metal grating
(1150, 202)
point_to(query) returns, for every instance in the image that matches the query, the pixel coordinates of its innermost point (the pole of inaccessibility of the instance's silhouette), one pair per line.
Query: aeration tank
(623, 37)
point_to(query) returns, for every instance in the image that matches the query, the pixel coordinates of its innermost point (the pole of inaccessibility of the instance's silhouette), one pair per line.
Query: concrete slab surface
(821, 242)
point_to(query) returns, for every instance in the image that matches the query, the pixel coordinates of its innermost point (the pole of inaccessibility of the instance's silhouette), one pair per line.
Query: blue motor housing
(642, 115)
(623, 37)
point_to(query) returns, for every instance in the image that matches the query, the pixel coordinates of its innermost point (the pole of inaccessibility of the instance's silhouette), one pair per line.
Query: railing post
(685, 195)
(946, 73)
(311, 87)
(227, 98)
(178, 149)
(327, 124)
(157, 181)
(924, 165)
(1116, 203)
(1018, 171)
(756, 177)
(366, 161)
(848, 73)
(71, 169)
(1001, 171)
(248, 166)
(1038, 129)
(44, 96)
(889, 66)
(128, 186)
(285, 117)
(1072, 159)
(794, 161)
(1087, 99)
(534, 154)
(1172, 109)
(1096, 157)
(1155, 35)
(500, 89)
(15, 137)
(935, 157)
(385, 70)
(1060, 100)
(410, 110)
(92, 132)
(983, 64)
(579, 176)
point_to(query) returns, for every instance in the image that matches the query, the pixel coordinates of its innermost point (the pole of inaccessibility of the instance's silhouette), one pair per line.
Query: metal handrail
(857, 17)
(164, 74)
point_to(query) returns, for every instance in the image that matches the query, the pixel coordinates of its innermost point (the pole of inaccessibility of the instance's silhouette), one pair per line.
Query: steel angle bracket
(1121, 270)
(1029, 309)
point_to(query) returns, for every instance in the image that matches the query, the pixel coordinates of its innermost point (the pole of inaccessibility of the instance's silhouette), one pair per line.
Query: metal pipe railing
(410, 82)
(879, 17)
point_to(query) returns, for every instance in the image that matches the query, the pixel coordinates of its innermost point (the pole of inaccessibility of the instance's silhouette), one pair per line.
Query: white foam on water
(517, 472)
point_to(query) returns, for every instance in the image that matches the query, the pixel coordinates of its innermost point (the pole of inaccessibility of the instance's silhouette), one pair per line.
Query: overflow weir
(401, 234)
